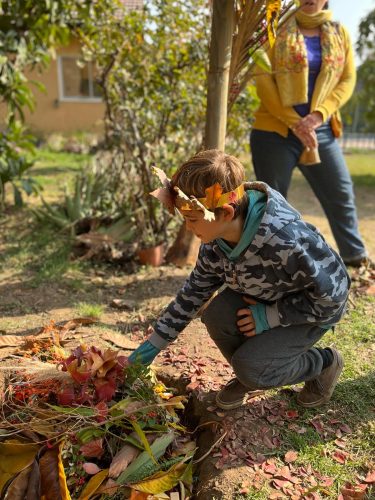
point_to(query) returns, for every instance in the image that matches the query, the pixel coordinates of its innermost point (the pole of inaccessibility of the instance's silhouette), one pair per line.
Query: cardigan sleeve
(269, 95)
(345, 87)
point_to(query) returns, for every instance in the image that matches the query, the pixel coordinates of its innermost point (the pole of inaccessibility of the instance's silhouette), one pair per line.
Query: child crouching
(285, 286)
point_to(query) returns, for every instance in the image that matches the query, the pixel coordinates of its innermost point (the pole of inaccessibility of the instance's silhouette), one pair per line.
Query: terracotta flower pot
(152, 256)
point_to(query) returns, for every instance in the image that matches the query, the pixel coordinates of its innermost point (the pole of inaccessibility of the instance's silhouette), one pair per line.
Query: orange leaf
(353, 491)
(213, 193)
(138, 495)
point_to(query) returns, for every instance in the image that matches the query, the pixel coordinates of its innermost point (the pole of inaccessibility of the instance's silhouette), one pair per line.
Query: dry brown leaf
(119, 340)
(122, 459)
(290, 456)
(11, 340)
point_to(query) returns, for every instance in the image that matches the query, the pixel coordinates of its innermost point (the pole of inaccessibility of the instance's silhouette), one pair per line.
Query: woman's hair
(326, 6)
(207, 168)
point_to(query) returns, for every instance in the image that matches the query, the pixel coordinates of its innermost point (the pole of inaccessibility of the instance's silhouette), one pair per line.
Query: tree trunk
(185, 249)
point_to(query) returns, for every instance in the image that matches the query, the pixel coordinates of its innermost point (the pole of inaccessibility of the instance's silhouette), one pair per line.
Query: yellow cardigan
(272, 116)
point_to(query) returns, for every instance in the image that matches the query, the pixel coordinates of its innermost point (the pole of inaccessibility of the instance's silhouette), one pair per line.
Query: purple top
(314, 57)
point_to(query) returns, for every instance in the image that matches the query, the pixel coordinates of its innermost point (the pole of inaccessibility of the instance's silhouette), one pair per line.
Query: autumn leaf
(93, 485)
(14, 457)
(138, 495)
(213, 194)
(18, 487)
(162, 481)
(290, 456)
(353, 491)
(370, 478)
(340, 456)
(52, 475)
(122, 459)
(272, 15)
(93, 449)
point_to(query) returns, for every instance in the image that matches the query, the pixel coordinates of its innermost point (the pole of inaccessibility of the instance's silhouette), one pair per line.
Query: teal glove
(144, 354)
(260, 317)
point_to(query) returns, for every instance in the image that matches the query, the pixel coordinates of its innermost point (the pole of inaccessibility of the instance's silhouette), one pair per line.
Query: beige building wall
(54, 113)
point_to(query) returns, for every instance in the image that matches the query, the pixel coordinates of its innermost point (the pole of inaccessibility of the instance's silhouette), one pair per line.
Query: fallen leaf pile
(95, 427)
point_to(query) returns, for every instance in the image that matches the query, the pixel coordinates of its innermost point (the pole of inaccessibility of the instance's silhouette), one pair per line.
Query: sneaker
(319, 390)
(234, 394)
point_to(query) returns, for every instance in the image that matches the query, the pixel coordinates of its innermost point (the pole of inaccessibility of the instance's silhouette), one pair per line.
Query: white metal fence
(351, 140)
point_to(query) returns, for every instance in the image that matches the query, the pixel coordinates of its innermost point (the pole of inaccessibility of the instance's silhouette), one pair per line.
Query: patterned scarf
(291, 64)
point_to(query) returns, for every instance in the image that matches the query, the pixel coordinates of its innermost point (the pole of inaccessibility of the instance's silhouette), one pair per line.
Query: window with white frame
(77, 82)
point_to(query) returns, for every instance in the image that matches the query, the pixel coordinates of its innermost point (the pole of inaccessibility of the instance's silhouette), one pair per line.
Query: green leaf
(143, 439)
(81, 410)
(261, 59)
(87, 435)
(158, 448)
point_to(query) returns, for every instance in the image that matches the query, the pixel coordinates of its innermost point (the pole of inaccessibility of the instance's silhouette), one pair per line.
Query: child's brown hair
(207, 168)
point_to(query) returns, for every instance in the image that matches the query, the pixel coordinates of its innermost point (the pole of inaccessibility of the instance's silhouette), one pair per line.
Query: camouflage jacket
(287, 266)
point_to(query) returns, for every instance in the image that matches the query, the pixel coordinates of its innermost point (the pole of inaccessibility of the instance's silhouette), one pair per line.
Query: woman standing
(313, 75)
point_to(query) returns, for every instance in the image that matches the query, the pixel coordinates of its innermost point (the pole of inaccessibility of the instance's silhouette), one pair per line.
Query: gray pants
(280, 356)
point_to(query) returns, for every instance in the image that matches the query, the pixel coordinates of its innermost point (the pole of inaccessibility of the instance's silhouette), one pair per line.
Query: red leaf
(78, 373)
(105, 389)
(290, 456)
(66, 397)
(340, 456)
(353, 491)
(102, 410)
(192, 386)
(370, 478)
(93, 448)
(291, 414)
(345, 428)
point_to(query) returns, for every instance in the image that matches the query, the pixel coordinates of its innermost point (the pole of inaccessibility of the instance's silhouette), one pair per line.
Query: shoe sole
(236, 404)
(325, 399)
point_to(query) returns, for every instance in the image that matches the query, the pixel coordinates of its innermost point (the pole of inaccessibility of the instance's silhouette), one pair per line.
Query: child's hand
(246, 325)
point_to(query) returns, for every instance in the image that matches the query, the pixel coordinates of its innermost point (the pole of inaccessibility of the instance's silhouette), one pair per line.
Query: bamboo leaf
(261, 59)
(158, 448)
(93, 485)
(143, 439)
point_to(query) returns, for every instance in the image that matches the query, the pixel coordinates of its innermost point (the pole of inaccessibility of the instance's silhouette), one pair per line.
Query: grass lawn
(39, 282)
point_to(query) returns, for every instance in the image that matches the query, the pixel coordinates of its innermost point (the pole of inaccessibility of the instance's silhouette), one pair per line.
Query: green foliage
(14, 147)
(366, 71)
(29, 32)
(87, 310)
(152, 66)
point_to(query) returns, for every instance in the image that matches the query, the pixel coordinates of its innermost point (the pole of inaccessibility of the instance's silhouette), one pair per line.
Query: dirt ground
(193, 364)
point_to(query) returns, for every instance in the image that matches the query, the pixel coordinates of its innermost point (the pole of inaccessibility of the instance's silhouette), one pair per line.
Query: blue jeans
(274, 158)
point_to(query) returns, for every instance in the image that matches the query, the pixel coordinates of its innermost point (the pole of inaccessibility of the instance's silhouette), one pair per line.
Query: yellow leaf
(93, 484)
(14, 457)
(162, 481)
(272, 15)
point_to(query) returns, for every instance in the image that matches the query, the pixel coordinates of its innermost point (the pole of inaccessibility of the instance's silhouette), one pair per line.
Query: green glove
(144, 354)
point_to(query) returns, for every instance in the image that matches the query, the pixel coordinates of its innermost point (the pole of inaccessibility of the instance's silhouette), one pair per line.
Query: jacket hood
(278, 214)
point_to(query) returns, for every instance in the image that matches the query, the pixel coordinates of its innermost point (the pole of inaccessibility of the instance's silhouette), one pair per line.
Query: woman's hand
(246, 325)
(306, 136)
(305, 129)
